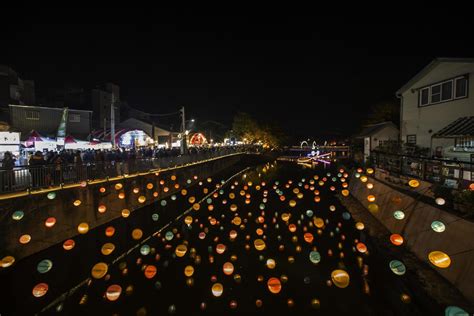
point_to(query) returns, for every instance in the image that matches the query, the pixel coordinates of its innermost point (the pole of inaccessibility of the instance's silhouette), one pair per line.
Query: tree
(245, 127)
(384, 111)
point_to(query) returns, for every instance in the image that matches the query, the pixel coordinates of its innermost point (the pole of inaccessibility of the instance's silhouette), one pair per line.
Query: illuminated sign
(9, 138)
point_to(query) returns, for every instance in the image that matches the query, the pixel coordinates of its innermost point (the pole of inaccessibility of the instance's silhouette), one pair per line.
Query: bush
(466, 199)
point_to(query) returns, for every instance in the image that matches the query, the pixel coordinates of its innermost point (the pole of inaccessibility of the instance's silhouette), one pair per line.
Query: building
(436, 105)
(375, 135)
(14, 90)
(159, 135)
(102, 100)
(45, 120)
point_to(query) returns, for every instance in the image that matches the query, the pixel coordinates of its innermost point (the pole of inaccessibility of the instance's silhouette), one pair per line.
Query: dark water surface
(306, 287)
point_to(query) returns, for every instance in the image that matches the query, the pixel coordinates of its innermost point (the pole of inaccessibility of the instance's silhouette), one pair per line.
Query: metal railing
(449, 173)
(22, 178)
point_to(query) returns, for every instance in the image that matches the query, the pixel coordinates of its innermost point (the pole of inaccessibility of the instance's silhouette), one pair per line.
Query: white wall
(419, 120)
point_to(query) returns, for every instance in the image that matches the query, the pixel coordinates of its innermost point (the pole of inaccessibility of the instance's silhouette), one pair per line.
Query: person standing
(37, 169)
(7, 174)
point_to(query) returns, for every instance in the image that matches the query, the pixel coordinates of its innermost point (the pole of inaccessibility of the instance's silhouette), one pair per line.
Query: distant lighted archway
(198, 139)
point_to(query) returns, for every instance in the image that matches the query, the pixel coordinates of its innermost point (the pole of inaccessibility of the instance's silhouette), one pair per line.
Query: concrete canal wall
(36, 210)
(457, 240)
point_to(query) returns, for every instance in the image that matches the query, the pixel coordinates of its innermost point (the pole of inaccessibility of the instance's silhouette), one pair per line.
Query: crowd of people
(53, 167)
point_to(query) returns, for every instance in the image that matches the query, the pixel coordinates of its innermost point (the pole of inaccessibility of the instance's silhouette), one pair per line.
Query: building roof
(428, 68)
(374, 128)
(463, 126)
(47, 108)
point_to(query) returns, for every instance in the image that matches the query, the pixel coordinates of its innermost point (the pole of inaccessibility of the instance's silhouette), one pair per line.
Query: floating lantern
(217, 289)
(40, 290)
(102, 208)
(145, 250)
(137, 233)
(399, 215)
(141, 199)
(371, 198)
(17, 215)
(7, 261)
(363, 178)
(125, 213)
(181, 250)
(455, 311)
(292, 203)
(109, 231)
(332, 208)
(102, 190)
(292, 228)
(373, 208)
(308, 237)
(259, 244)
(121, 195)
(83, 228)
(51, 195)
(340, 278)
(314, 257)
(438, 226)
(113, 292)
(44, 266)
(69, 244)
(360, 226)
(274, 285)
(370, 186)
(414, 183)
(155, 217)
(440, 201)
(345, 192)
(439, 259)
(228, 268)
(99, 270)
(107, 248)
(270, 263)
(77, 202)
(196, 206)
(189, 271)
(50, 222)
(361, 247)
(318, 222)
(150, 271)
(397, 267)
(220, 248)
(396, 239)
(24, 239)
(118, 186)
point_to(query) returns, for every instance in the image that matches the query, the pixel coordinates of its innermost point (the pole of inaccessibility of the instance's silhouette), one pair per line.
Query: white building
(437, 108)
(375, 135)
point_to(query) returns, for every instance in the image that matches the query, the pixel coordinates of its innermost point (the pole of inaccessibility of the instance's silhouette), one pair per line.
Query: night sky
(311, 75)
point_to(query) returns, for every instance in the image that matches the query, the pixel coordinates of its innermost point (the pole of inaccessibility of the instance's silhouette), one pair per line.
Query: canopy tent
(32, 138)
(124, 137)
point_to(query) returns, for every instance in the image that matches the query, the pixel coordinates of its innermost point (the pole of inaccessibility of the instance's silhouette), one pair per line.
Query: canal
(272, 239)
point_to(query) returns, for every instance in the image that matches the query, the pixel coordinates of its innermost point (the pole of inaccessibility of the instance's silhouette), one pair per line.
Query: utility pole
(112, 121)
(183, 131)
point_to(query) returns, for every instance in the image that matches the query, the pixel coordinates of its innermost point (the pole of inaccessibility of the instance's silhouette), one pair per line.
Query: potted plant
(464, 202)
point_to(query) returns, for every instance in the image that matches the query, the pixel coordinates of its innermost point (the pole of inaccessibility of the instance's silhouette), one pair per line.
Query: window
(436, 93)
(74, 118)
(424, 96)
(32, 115)
(411, 139)
(447, 90)
(464, 142)
(461, 87)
